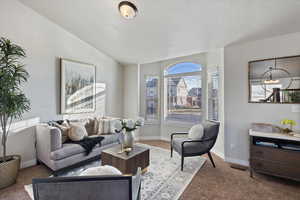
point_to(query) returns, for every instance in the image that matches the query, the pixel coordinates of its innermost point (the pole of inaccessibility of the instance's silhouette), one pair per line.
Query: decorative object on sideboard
(78, 87)
(126, 127)
(290, 123)
(275, 80)
(13, 103)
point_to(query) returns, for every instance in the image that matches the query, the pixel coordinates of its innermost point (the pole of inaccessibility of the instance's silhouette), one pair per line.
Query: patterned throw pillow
(89, 126)
(98, 125)
(106, 126)
(77, 132)
(64, 129)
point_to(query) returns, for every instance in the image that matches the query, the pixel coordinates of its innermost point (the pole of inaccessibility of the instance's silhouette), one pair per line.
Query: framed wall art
(78, 87)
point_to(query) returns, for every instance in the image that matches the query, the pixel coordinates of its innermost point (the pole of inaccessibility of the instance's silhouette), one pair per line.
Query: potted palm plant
(13, 103)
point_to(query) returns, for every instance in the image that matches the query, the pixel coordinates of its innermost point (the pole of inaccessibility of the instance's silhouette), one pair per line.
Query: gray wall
(45, 42)
(239, 114)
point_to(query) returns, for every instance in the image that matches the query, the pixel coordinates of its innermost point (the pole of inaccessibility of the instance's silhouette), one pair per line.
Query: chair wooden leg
(211, 159)
(182, 162)
(171, 151)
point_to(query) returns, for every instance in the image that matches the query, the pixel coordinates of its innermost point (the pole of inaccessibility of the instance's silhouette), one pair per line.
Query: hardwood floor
(209, 183)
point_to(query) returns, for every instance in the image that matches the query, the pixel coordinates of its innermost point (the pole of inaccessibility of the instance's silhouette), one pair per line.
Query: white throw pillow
(196, 132)
(101, 171)
(77, 132)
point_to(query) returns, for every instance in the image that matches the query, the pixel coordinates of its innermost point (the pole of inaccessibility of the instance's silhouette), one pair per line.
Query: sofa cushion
(77, 132)
(68, 150)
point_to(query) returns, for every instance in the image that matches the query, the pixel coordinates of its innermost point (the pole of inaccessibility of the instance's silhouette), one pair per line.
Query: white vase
(128, 139)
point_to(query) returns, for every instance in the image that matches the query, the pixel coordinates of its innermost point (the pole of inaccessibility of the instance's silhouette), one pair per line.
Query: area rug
(163, 181)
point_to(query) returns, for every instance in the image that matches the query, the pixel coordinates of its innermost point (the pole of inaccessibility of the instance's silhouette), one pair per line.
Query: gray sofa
(57, 156)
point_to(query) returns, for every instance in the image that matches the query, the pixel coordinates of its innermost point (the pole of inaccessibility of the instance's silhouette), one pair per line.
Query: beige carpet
(209, 183)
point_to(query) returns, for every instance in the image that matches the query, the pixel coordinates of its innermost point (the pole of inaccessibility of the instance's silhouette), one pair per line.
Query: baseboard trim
(218, 153)
(28, 163)
(148, 138)
(237, 161)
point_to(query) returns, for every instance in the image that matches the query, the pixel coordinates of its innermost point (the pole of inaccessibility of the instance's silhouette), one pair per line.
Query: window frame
(164, 89)
(152, 121)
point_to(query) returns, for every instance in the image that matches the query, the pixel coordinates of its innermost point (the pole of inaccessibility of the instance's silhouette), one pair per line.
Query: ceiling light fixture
(127, 9)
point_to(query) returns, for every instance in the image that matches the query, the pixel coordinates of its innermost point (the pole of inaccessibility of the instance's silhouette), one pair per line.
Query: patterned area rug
(163, 181)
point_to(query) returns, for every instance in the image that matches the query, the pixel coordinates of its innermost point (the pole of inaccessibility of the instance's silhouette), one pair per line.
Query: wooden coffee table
(126, 163)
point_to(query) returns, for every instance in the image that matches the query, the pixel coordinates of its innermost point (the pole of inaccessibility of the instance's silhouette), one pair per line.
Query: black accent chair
(187, 147)
(88, 187)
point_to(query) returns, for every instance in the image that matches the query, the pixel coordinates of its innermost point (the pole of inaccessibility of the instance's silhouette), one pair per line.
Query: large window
(152, 98)
(183, 92)
(213, 93)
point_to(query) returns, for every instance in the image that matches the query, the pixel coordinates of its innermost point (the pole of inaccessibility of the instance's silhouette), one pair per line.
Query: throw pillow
(89, 126)
(100, 126)
(196, 132)
(77, 132)
(64, 129)
(106, 126)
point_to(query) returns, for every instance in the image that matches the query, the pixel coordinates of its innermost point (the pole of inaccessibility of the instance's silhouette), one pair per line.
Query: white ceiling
(170, 28)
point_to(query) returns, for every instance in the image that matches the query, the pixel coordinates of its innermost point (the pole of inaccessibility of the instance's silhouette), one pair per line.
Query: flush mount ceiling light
(127, 9)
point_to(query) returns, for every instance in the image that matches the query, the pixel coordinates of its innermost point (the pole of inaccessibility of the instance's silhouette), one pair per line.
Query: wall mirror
(275, 80)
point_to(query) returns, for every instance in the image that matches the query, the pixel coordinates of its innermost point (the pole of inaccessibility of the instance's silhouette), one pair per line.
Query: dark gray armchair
(189, 147)
(88, 187)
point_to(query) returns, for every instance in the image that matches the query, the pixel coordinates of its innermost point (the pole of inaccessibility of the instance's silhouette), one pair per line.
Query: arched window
(183, 92)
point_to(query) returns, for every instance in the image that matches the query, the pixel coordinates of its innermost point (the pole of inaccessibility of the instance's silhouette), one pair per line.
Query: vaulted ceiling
(170, 28)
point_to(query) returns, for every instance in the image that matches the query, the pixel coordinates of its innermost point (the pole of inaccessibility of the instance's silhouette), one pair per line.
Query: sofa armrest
(48, 138)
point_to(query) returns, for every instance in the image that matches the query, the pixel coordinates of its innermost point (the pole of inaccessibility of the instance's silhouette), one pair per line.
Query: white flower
(140, 121)
(118, 125)
(130, 123)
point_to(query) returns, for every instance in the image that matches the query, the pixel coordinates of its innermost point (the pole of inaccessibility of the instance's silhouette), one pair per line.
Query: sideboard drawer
(276, 155)
(274, 168)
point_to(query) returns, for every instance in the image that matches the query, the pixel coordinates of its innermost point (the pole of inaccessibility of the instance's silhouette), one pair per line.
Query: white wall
(45, 42)
(239, 114)
(131, 91)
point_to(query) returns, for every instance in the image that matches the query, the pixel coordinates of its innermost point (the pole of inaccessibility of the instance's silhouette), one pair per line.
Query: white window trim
(164, 95)
(152, 121)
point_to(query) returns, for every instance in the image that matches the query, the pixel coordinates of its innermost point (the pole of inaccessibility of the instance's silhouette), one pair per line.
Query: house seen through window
(183, 90)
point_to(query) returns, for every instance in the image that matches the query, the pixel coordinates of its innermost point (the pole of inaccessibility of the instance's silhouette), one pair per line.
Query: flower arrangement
(289, 122)
(128, 125)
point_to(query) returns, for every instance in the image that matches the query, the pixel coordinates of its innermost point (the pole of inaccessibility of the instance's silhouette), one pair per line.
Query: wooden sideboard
(275, 154)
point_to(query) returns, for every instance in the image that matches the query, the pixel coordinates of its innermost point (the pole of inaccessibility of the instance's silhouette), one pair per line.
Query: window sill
(179, 124)
(152, 122)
